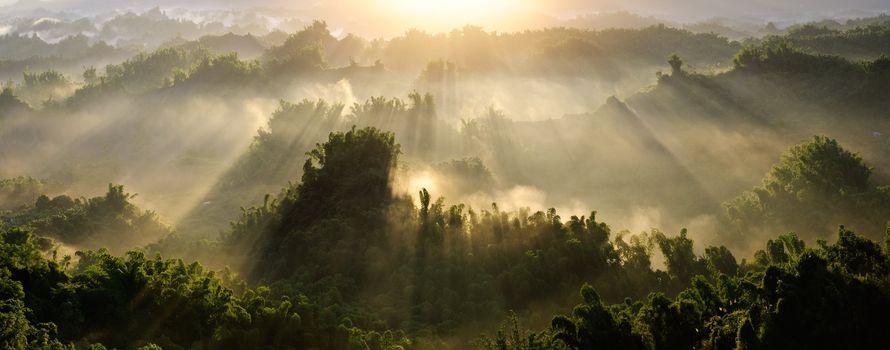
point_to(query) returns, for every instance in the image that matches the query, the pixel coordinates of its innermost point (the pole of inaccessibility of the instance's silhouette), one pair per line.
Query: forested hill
(224, 98)
(779, 103)
(773, 94)
(657, 187)
(346, 261)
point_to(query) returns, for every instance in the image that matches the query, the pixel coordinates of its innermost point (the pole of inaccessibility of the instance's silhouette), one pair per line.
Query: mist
(444, 175)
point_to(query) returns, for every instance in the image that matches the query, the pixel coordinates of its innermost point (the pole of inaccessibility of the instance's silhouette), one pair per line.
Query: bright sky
(452, 13)
(453, 8)
(445, 14)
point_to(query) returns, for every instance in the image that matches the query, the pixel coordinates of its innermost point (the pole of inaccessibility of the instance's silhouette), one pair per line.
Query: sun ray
(440, 15)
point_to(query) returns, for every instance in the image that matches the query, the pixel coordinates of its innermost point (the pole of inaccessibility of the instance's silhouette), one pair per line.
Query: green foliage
(518, 338)
(863, 41)
(21, 261)
(341, 236)
(814, 185)
(295, 128)
(50, 78)
(316, 35)
(558, 51)
(72, 47)
(415, 122)
(348, 260)
(304, 52)
(783, 57)
(355, 162)
(721, 261)
(108, 221)
(835, 296)
(90, 76)
(822, 166)
(220, 72)
(592, 324)
(682, 263)
(44, 87)
(147, 71)
(137, 75)
(856, 255)
(676, 66)
(450, 266)
(18, 333)
(137, 301)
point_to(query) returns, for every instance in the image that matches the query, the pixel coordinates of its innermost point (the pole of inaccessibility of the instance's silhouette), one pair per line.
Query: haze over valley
(401, 174)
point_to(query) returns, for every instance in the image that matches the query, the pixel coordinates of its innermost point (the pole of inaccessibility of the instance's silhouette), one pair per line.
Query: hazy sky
(368, 13)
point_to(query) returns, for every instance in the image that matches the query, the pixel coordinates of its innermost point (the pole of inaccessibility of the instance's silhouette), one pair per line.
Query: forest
(253, 178)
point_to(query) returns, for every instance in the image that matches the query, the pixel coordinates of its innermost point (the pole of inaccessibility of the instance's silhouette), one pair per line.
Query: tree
(667, 324)
(346, 181)
(592, 326)
(682, 263)
(721, 260)
(816, 184)
(90, 76)
(109, 221)
(676, 66)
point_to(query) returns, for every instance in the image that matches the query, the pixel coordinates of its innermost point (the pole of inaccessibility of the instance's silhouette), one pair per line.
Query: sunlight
(454, 174)
(421, 181)
(450, 7)
(452, 13)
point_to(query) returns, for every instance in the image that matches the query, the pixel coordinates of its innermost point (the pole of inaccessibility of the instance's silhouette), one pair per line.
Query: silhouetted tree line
(827, 297)
(338, 260)
(340, 250)
(133, 301)
(865, 41)
(346, 260)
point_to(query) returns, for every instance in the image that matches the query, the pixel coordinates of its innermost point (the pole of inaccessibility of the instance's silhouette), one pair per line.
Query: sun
(421, 181)
(451, 7)
(447, 14)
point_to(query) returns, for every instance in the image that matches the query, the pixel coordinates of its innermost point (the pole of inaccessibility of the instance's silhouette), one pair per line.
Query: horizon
(444, 175)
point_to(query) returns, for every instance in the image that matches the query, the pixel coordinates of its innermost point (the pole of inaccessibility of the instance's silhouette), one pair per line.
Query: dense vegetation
(340, 250)
(816, 185)
(136, 301)
(857, 42)
(350, 219)
(833, 296)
